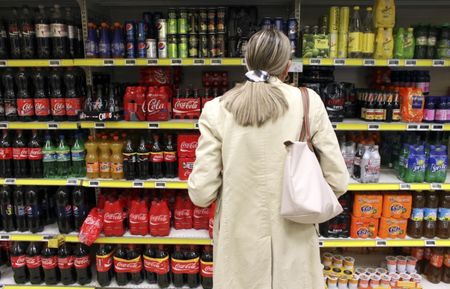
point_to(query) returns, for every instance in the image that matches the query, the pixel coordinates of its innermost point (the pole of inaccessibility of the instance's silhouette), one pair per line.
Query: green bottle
(49, 158)
(409, 43)
(77, 153)
(399, 44)
(62, 158)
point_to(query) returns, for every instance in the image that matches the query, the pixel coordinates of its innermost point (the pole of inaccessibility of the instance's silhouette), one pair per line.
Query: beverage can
(333, 23)
(203, 45)
(344, 19)
(172, 46)
(141, 31)
(162, 48)
(151, 48)
(131, 51)
(141, 49)
(161, 26)
(129, 29)
(292, 29)
(182, 21)
(172, 21)
(266, 23)
(221, 12)
(193, 45)
(212, 46)
(220, 45)
(202, 20)
(183, 46)
(211, 20)
(278, 23)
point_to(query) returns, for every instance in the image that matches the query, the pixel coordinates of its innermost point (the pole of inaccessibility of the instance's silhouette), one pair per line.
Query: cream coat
(242, 167)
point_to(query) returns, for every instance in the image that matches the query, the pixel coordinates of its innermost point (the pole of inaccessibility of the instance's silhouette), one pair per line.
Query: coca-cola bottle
(148, 255)
(58, 34)
(25, 105)
(162, 275)
(2, 100)
(9, 95)
(7, 209)
(80, 207)
(72, 44)
(57, 101)
(3, 42)
(14, 35)
(20, 209)
(100, 103)
(27, 35)
(6, 155)
(88, 105)
(34, 263)
(35, 156)
(177, 274)
(129, 160)
(64, 210)
(33, 210)
(143, 153)
(82, 264)
(20, 156)
(49, 195)
(41, 100)
(18, 263)
(192, 276)
(65, 264)
(42, 29)
(156, 158)
(136, 270)
(121, 274)
(170, 158)
(206, 268)
(72, 100)
(49, 257)
(104, 262)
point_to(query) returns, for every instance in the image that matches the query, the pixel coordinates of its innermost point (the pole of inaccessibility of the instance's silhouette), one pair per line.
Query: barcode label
(10, 181)
(437, 127)
(243, 61)
(72, 182)
(393, 62)
(320, 244)
(339, 61)
(369, 62)
(199, 61)
(196, 125)
(334, 126)
(216, 61)
(412, 127)
(405, 187)
(99, 125)
(152, 62)
(52, 126)
(430, 243)
(176, 61)
(160, 185)
(438, 62)
(410, 62)
(3, 63)
(424, 127)
(130, 61)
(54, 62)
(3, 125)
(153, 125)
(4, 237)
(381, 243)
(94, 183)
(138, 184)
(315, 61)
(373, 127)
(436, 186)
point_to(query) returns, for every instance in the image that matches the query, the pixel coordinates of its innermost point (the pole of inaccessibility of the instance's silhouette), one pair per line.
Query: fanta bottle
(104, 158)
(116, 158)
(92, 167)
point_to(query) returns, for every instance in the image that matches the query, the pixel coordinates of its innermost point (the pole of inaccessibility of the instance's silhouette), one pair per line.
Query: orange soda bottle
(92, 166)
(105, 157)
(116, 158)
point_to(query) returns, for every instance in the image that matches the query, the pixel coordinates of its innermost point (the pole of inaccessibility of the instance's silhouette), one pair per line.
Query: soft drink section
(94, 157)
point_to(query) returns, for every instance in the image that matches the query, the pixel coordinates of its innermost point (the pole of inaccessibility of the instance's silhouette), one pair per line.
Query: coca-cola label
(156, 157)
(138, 218)
(42, 30)
(73, 106)
(103, 263)
(157, 265)
(35, 154)
(20, 153)
(185, 266)
(158, 220)
(49, 263)
(25, 107)
(58, 106)
(187, 144)
(65, 263)
(10, 107)
(185, 166)
(128, 266)
(186, 108)
(33, 262)
(6, 153)
(42, 106)
(82, 262)
(114, 217)
(157, 105)
(182, 214)
(206, 269)
(18, 261)
(170, 157)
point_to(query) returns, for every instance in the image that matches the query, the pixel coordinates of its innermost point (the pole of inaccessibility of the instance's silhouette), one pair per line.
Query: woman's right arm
(327, 146)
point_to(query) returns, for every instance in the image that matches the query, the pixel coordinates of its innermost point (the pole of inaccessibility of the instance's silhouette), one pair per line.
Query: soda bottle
(368, 47)
(430, 215)
(104, 262)
(7, 209)
(206, 268)
(62, 152)
(162, 275)
(42, 30)
(79, 207)
(443, 221)
(33, 210)
(170, 158)
(88, 105)
(34, 263)
(92, 164)
(415, 222)
(99, 102)
(434, 268)
(72, 44)
(2, 104)
(27, 35)
(136, 270)
(192, 276)
(20, 156)
(72, 100)
(119, 257)
(143, 169)
(375, 164)
(355, 35)
(6, 156)
(104, 44)
(35, 156)
(18, 263)
(64, 210)
(3, 42)
(104, 158)
(113, 107)
(77, 154)
(116, 147)
(49, 258)
(156, 158)
(25, 104)
(57, 101)
(91, 45)
(446, 273)
(117, 44)
(20, 209)
(177, 275)
(58, 34)
(41, 101)
(66, 264)
(129, 160)
(49, 158)
(149, 257)
(14, 36)
(82, 264)
(9, 95)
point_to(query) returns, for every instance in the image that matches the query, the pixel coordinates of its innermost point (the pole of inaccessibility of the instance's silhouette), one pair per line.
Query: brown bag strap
(305, 134)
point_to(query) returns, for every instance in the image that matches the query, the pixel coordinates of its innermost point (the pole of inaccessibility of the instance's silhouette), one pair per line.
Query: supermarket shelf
(147, 184)
(39, 125)
(377, 62)
(171, 124)
(41, 182)
(407, 242)
(35, 62)
(360, 125)
(160, 62)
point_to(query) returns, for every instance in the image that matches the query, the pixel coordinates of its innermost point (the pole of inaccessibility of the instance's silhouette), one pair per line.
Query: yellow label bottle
(354, 42)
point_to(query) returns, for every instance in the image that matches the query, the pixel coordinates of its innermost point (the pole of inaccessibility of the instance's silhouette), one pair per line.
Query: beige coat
(242, 167)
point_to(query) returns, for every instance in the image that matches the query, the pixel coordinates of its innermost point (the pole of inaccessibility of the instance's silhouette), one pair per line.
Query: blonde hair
(254, 103)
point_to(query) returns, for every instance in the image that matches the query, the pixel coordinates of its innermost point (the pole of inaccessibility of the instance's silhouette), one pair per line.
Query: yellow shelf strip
(39, 125)
(144, 240)
(407, 242)
(377, 62)
(172, 124)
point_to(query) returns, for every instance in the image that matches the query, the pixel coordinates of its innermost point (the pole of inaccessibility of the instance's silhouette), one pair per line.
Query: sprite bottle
(49, 158)
(77, 153)
(62, 158)
(437, 162)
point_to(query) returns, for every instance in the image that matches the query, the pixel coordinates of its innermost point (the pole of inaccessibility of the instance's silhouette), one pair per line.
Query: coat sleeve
(327, 146)
(206, 177)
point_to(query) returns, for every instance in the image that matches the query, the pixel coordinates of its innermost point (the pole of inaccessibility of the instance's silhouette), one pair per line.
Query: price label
(430, 243)
(10, 181)
(438, 62)
(99, 125)
(52, 125)
(412, 127)
(216, 61)
(152, 62)
(72, 182)
(424, 127)
(199, 61)
(196, 125)
(339, 61)
(437, 127)
(320, 244)
(393, 62)
(410, 62)
(138, 184)
(176, 61)
(3, 63)
(334, 126)
(54, 62)
(243, 61)
(381, 243)
(296, 67)
(4, 237)
(94, 183)
(3, 125)
(373, 127)
(153, 125)
(315, 61)
(435, 186)
(108, 62)
(160, 185)
(405, 187)
(130, 61)
(369, 62)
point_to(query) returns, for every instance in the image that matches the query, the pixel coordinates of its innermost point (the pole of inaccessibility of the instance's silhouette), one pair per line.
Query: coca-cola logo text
(113, 217)
(159, 219)
(187, 105)
(188, 146)
(138, 218)
(181, 214)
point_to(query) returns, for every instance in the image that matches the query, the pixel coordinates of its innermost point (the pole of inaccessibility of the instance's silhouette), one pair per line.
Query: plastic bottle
(430, 215)
(117, 44)
(92, 41)
(163, 276)
(116, 147)
(149, 256)
(375, 165)
(3, 42)
(431, 41)
(7, 209)
(9, 95)
(2, 101)
(82, 264)
(355, 35)
(62, 152)
(119, 256)
(368, 47)
(92, 162)
(18, 263)
(134, 255)
(58, 34)
(409, 43)
(14, 35)
(399, 44)
(79, 207)
(104, 157)
(104, 265)
(35, 156)
(49, 258)
(104, 45)
(156, 158)
(66, 264)
(20, 209)
(27, 35)
(441, 110)
(177, 278)
(57, 101)
(143, 153)
(34, 263)
(42, 30)
(443, 218)
(41, 100)
(78, 157)
(170, 158)
(365, 162)
(64, 210)
(34, 210)
(25, 104)
(20, 156)
(415, 222)
(72, 98)
(434, 269)
(129, 160)
(421, 33)
(206, 268)
(49, 158)
(6, 155)
(72, 40)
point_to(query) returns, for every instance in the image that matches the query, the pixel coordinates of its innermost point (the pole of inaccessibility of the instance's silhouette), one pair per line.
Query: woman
(240, 163)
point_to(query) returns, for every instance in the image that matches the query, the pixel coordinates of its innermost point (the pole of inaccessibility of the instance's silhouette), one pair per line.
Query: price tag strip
(54, 62)
(4, 125)
(153, 125)
(217, 61)
(94, 184)
(410, 62)
(52, 125)
(130, 61)
(315, 61)
(437, 127)
(99, 125)
(199, 61)
(381, 243)
(108, 62)
(393, 62)
(3, 63)
(430, 243)
(373, 126)
(72, 182)
(138, 184)
(152, 62)
(405, 187)
(412, 126)
(160, 185)
(369, 62)
(436, 187)
(438, 62)
(176, 61)
(339, 61)
(10, 181)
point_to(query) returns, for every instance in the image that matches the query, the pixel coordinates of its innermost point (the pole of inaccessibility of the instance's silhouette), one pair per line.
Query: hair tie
(257, 76)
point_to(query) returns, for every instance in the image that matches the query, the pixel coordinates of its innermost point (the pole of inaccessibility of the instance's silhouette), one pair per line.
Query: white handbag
(306, 198)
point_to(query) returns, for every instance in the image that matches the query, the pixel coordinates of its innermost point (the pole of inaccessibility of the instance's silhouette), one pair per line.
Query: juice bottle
(104, 158)
(368, 35)
(92, 167)
(443, 222)
(430, 215)
(355, 35)
(415, 222)
(116, 147)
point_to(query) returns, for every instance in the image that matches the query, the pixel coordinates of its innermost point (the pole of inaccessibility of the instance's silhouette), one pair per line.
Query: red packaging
(183, 211)
(201, 218)
(157, 265)
(212, 214)
(157, 76)
(159, 219)
(128, 266)
(113, 219)
(187, 144)
(185, 166)
(25, 107)
(158, 106)
(215, 79)
(186, 108)
(191, 266)
(58, 106)
(133, 103)
(138, 218)
(33, 262)
(91, 228)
